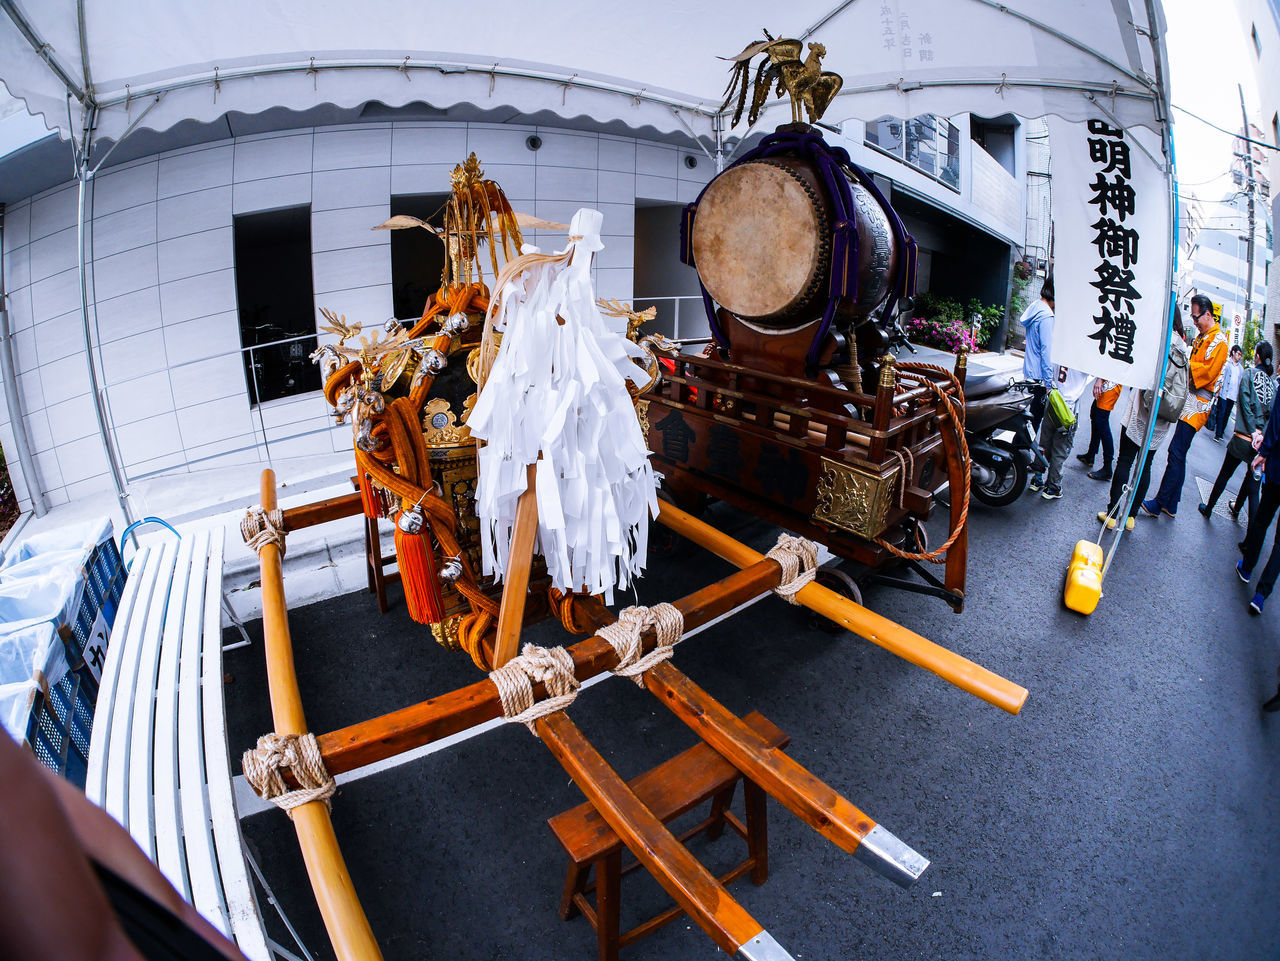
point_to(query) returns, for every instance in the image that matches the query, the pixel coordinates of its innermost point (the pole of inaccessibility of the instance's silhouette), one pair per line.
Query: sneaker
(1245, 576)
(1234, 508)
(1128, 523)
(1167, 513)
(1255, 605)
(1103, 473)
(1204, 509)
(1085, 459)
(1035, 483)
(1051, 492)
(1151, 508)
(1102, 516)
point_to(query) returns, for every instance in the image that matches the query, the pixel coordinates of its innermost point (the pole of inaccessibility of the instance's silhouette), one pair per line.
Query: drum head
(760, 241)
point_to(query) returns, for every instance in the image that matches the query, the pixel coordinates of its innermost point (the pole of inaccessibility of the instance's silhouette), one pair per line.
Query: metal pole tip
(885, 854)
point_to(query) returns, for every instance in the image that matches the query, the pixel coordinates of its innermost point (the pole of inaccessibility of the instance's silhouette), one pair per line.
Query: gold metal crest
(853, 499)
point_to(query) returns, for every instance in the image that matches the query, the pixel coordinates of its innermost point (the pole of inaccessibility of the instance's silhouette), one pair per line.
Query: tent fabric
(651, 64)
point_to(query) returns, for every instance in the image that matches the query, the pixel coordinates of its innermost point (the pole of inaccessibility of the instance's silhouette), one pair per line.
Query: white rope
(298, 753)
(798, 559)
(260, 528)
(624, 636)
(515, 679)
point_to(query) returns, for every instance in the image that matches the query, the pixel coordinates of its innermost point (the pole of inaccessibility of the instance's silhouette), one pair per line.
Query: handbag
(1059, 410)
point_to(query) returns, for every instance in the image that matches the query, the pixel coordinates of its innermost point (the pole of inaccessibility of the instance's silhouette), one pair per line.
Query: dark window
(273, 288)
(929, 143)
(417, 257)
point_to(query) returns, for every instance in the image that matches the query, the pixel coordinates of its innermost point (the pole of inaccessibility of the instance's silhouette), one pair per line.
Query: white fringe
(559, 390)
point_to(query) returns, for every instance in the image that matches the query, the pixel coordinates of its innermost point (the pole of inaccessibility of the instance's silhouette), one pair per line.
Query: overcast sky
(1209, 55)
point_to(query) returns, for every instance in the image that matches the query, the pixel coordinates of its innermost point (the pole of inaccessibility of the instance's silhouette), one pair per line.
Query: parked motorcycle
(1002, 441)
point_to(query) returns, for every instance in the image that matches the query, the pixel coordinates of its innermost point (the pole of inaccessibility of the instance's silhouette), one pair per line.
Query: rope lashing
(298, 753)
(624, 636)
(798, 559)
(260, 528)
(514, 681)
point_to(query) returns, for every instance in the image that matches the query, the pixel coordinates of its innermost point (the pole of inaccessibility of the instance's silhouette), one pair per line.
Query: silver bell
(435, 361)
(411, 520)
(455, 324)
(451, 570)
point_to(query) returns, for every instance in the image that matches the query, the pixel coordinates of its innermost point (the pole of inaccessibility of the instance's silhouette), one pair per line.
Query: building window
(929, 143)
(277, 308)
(417, 257)
(1257, 43)
(1275, 129)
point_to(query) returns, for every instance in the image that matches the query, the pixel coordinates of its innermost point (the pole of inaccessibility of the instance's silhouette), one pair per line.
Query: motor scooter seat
(985, 385)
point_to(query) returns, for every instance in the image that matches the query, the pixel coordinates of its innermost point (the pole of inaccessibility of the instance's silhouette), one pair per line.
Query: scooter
(1002, 441)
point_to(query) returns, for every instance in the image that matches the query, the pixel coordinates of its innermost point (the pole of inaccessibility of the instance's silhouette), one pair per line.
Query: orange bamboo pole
(344, 918)
(895, 638)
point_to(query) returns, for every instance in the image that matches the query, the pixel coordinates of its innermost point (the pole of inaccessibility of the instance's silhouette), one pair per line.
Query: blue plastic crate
(64, 581)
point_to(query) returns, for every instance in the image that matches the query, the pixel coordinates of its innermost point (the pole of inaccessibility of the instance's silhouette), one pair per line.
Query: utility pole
(1248, 186)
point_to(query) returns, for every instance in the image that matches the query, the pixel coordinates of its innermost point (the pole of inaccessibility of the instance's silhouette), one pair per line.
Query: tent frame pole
(84, 175)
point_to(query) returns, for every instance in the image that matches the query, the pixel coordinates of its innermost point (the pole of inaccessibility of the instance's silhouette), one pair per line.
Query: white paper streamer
(558, 389)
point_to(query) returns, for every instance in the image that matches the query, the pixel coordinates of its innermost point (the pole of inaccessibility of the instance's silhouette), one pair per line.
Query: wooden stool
(669, 790)
(375, 563)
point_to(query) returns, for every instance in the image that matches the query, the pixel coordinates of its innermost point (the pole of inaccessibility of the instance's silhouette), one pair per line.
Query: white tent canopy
(649, 65)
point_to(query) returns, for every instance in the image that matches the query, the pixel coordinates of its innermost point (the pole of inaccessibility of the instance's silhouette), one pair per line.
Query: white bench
(158, 753)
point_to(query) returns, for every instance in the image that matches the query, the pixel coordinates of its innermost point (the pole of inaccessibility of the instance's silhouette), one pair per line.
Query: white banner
(1111, 250)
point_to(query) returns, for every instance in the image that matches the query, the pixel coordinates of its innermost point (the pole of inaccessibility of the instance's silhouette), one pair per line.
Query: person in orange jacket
(1105, 395)
(1208, 357)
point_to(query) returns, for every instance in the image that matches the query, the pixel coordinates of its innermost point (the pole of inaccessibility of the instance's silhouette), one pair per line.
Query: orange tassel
(369, 498)
(418, 575)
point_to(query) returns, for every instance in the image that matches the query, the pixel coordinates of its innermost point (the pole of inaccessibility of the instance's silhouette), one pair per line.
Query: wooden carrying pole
(783, 779)
(948, 665)
(344, 918)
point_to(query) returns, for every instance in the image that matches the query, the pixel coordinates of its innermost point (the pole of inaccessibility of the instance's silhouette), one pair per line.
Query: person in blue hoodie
(1037, 320)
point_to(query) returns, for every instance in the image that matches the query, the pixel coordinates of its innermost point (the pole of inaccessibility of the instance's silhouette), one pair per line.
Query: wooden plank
(236, 887)
(321, 512)
(439, 717)
(515, 582)
(681, 875)
(170, 856)
(202, 858)
(344, 919)
(132, 602)
(152, 596)
(814, 802)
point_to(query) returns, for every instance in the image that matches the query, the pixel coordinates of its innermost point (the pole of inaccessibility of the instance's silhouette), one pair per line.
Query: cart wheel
(836, 580)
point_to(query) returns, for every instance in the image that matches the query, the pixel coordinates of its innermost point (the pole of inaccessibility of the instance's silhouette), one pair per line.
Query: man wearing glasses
(1208, 357)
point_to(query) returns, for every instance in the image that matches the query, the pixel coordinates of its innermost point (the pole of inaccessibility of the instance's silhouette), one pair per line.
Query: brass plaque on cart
(853, 499)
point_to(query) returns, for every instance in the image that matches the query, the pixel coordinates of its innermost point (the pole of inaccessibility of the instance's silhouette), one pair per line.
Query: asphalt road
(1127, 812)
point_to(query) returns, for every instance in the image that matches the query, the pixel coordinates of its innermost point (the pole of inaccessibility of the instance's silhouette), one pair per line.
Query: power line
(1256, 143)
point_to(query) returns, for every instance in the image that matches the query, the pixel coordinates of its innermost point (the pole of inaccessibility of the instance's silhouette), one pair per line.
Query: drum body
(762, 244)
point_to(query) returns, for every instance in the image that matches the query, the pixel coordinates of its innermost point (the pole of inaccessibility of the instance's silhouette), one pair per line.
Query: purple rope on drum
(834, 167)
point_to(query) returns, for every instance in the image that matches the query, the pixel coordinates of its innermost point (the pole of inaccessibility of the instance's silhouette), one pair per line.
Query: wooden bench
(158, 753)
(669, 790)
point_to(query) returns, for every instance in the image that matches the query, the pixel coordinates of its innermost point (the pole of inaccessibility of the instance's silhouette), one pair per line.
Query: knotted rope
(514, 680)
(298, 753)
(260, 528)
(624, 636)
(798, 559)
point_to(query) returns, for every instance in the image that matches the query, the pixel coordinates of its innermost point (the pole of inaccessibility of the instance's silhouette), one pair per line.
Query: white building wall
(166, 327)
